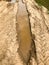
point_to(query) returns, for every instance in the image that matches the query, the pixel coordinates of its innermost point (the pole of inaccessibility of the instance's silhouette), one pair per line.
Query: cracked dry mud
(24, 33)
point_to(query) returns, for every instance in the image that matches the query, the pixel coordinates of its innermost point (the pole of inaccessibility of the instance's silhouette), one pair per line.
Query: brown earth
(15, 34)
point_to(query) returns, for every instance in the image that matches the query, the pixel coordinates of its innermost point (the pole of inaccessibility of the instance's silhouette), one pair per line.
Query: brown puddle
(24, 32)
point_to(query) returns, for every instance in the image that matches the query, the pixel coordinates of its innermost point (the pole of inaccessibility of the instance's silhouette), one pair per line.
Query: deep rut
(24, 32)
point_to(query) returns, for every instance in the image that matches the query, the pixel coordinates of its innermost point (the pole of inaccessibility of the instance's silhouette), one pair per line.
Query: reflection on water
(24, 31)
(22, 9)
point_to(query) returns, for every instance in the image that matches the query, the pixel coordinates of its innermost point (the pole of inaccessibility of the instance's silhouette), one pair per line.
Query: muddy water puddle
(24, 31)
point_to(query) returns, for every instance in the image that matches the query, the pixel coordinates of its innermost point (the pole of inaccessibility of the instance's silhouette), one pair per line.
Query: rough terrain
(39, 19)
(8, 34)
(24, 28)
